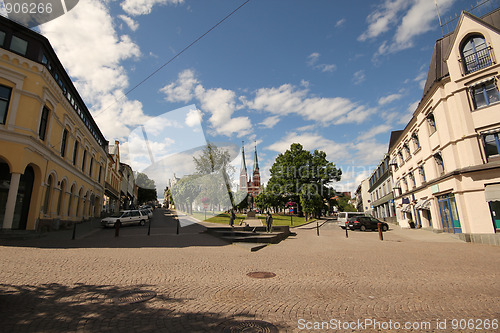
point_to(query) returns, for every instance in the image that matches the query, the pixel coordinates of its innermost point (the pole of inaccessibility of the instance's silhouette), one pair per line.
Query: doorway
(449, 214)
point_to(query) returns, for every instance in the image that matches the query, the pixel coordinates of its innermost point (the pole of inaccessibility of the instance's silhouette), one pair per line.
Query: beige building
(446, 163)
(52, 154)
(113, 180)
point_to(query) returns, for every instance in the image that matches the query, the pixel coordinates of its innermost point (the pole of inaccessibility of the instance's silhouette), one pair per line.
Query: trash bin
(412, 224)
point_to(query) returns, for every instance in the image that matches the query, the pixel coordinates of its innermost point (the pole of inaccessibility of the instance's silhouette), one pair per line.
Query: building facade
(113, 180)
(363, 201)
(446, 163)
(52, 154)
(380, 189)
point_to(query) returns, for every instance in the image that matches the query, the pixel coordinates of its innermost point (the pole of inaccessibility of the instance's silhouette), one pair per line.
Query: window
(475, 54)
(18, 45)
(485, 94)
(48, 191)
(4, 103)
(412, 178)
(416, 142)
(2, 38)
(405, 183)
(100, 173)
(91, 166)
(439, 162)
(401, 159)
(42, 131)
(75, 152)
(83, 160)
(63, 142)
(422, 173)
(431, 122)
(491, 144)
(407, 149)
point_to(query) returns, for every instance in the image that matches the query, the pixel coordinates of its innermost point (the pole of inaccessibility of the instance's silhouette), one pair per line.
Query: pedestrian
(231, 218)
(269, 222)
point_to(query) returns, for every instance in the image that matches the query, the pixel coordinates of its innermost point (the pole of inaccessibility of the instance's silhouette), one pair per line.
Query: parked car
(343, 217)
(126, 217)
(364, 223)
(147, 211)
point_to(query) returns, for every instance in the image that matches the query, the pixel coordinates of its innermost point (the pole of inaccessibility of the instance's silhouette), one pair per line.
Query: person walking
(269, 222)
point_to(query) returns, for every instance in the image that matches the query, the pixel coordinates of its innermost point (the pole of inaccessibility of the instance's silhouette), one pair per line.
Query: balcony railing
(477, 60)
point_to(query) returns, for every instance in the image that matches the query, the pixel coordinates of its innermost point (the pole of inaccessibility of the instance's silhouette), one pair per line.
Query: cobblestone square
(201, 283)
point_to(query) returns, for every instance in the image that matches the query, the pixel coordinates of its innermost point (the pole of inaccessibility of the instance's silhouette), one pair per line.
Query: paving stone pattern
(201, 283)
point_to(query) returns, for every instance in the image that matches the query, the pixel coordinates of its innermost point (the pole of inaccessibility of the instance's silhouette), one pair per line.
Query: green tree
(214, 165)
(296, 168)
(142, 180)
(342, 202)
(185, 191)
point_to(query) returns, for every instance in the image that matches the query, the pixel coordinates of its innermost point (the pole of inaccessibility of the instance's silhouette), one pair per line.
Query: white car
(147, 211)
(125, 217)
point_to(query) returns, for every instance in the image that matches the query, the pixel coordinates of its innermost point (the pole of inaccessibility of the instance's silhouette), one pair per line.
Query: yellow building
(52, 154)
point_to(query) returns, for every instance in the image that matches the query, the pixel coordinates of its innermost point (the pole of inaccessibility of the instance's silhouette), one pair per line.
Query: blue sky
(332, 75)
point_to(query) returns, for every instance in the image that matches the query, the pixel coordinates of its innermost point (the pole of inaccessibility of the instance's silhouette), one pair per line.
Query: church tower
(243, 171)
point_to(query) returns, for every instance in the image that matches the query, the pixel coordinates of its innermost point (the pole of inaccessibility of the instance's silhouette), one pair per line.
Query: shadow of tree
(96, 308)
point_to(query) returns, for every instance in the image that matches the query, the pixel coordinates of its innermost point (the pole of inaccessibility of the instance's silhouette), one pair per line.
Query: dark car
(365, 222)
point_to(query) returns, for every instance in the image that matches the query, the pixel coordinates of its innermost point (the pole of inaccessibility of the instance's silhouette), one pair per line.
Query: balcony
(477, 60)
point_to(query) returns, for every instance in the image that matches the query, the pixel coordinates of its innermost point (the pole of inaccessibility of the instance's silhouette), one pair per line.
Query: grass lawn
(223, 218)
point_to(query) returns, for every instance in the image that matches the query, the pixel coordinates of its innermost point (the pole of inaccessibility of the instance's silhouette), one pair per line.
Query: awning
(493, 131)
(406, 209)
(423, 204)
(491, 78)
(492, 192)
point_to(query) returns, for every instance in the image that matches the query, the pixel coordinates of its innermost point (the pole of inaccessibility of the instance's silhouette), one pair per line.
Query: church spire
(243, 163)
(255, 160)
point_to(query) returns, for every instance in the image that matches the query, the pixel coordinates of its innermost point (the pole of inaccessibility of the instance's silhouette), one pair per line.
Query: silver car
(126, 217)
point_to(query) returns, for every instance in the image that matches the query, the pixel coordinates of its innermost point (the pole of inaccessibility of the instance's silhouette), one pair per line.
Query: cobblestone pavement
(201, 283)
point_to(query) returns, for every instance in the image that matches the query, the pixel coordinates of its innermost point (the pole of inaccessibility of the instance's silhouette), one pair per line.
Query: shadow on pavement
(100, 308)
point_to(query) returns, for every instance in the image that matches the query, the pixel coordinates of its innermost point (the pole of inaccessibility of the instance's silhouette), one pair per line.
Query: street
(193, 282)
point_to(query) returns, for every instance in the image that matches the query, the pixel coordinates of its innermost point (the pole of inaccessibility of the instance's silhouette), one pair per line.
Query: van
(343, 217)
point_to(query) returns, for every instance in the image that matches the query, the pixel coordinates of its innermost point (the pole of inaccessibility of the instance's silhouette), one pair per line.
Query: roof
(394, 138)
(438, 69)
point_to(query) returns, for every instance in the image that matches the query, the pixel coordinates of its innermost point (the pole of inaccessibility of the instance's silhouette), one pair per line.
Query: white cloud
(371, 133)
(389, 99)
(193, 118)
(409, 18)
(143, 7)
(312, 61)
(183, 90)
(133, 25)
(286, 99)
(359, 77)
(340, 23)
(99, 76)
(420, 79)
(270, 122)
(219, 104)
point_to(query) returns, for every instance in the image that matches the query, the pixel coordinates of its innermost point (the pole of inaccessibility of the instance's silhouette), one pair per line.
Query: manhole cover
(261, 275)
(256, 326)
(134, 296)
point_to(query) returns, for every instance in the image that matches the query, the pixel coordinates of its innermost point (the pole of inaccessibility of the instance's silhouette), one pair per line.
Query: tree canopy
(303, 176)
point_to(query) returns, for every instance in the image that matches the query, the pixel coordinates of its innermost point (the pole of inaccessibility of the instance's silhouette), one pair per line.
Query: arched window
(60, 201)
(71, 193)
(475, 54)
(48, 192)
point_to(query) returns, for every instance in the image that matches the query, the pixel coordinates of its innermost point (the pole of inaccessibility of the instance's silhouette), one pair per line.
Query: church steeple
(243, 171)
(255, 161)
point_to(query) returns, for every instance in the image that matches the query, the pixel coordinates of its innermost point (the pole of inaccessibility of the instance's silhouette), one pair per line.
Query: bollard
(346, 234)
(74, 231)
(380, 235)
(177, 226)
(149, 227)
(317, 228)
(117, 228)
